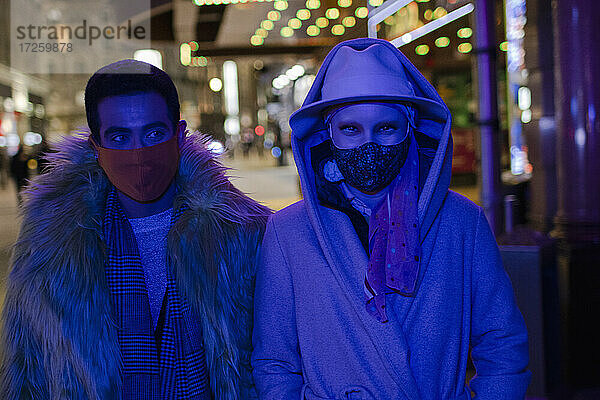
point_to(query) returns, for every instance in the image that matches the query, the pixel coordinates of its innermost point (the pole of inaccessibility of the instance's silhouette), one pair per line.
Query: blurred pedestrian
(19, 170)
(247, 138)
(4, 168)
(381, 280)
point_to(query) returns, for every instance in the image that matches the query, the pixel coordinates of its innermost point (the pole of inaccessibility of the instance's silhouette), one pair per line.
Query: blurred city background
(521, 79)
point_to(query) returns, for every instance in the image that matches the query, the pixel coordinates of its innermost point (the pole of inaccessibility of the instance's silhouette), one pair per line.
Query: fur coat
(59, 337)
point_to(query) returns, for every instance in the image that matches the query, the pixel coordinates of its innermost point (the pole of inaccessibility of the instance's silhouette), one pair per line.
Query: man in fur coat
(132, 274)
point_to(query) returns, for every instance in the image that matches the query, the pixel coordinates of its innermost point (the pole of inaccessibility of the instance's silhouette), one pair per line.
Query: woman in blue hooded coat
(378, 283)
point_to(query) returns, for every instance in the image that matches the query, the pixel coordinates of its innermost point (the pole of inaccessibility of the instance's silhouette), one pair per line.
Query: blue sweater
(313, 338)
(151, 238)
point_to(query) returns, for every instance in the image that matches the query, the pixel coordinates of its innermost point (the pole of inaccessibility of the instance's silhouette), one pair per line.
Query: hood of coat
(57, 307)
(432, 134)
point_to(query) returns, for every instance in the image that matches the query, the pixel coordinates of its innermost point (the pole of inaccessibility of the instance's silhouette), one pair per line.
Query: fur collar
(59, 338)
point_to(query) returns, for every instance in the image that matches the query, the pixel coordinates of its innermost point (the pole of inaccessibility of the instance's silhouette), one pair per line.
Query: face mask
(143, 174)
(372, 166)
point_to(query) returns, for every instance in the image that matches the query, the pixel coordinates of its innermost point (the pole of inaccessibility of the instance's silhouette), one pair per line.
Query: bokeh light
(185, 54)
(349, 21)
(267, 24)
(361, 12)
(422, 49)
(294, 23)
(322, 22)
(256, 40)
(439, 12)
(338, 29)
(201, 61)
(215, 84)
(332, 13)
(465, 47)
(274, 15)
(286, 31)
(259, 130)
(280, 5)
(313, 4)
(261, 32)
(313, 30)
(442, 41)
(303, 14)
(464, 33)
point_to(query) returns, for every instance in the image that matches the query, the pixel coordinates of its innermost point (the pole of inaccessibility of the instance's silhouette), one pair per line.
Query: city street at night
(409, 206)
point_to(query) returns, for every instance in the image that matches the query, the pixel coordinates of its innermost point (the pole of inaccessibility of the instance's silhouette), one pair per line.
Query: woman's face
(358, 124)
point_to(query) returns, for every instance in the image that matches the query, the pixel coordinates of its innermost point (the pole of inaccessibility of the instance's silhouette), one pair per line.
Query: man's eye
(118, 138)
(156, 134)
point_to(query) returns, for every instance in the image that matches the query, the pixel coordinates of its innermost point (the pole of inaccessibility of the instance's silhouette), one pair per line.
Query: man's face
(358, 124)
(135, 120)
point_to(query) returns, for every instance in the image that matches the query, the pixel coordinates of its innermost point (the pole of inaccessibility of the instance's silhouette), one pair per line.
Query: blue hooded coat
(313, 338)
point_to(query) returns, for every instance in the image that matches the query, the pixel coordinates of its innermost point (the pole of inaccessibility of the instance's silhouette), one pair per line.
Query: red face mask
(143, 174)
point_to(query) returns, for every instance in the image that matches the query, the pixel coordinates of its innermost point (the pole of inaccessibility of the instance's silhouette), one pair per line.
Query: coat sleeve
(499, 344)
(276, 362)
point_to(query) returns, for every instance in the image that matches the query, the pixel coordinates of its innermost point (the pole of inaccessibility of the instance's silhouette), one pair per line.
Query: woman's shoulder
(460, 210)
(457, 202)
(291, 224)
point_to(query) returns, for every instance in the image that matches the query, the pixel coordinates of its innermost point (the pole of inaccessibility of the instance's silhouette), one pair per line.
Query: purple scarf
(394, 240)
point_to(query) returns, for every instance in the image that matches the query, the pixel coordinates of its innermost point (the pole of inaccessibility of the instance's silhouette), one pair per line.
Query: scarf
(394, 248)
(169, 363)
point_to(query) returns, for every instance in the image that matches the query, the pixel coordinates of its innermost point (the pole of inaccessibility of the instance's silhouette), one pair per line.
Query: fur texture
(59, 337)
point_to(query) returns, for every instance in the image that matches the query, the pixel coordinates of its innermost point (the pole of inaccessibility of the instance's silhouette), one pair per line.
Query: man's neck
(135, 209)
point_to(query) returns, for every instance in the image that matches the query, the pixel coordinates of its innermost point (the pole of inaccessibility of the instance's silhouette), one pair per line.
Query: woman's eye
(349, 129)
(387, 128)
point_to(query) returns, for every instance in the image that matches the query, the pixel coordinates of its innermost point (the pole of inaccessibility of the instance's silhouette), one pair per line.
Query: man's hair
(127, 77)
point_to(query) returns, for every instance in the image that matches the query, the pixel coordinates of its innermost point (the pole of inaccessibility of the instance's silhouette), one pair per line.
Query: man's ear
(181, 127)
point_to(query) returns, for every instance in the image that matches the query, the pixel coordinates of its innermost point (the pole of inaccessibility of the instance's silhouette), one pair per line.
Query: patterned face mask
(372, 166)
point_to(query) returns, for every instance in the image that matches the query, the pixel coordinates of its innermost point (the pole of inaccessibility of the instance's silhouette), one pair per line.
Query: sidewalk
(8, 217)
(8, 198)
(264, 181)
(9, 228)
